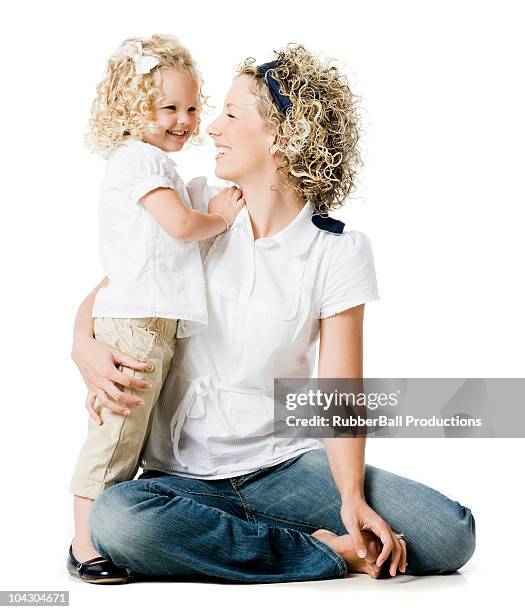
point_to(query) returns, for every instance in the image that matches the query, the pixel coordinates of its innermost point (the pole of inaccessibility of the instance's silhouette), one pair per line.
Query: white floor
(482, 474)
(470, 586)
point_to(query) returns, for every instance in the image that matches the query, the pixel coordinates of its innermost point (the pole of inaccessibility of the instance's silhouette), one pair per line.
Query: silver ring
(399, 535)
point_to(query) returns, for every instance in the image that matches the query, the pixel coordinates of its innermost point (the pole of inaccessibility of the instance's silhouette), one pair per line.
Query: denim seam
(343, 570)
(286, 520)
(190, 492)
(244, 502)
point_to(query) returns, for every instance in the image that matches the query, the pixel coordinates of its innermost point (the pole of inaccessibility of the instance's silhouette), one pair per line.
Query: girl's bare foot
(344, 545)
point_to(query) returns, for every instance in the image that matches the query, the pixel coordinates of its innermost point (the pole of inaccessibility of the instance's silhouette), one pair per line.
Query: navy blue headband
(282, 101)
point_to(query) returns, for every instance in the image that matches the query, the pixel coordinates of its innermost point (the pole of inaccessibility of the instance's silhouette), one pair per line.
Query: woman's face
(241, 136)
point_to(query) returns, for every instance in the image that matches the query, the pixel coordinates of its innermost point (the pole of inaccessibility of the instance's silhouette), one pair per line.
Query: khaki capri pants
(112, 451)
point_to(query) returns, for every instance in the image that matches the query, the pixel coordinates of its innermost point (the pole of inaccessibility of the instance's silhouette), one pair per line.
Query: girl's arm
(187, 224)
(99, 363)
(341, 356)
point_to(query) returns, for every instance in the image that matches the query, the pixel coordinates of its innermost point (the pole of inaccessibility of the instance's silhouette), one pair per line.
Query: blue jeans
(255, 528)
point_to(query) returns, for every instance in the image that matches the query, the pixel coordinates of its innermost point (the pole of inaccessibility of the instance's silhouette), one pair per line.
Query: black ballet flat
(97, 570)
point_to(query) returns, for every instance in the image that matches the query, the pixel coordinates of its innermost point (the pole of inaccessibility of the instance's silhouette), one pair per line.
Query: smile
(176, 133)
(222, 151)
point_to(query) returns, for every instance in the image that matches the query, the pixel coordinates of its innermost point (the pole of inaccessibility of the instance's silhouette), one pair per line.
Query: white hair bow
(143, 63)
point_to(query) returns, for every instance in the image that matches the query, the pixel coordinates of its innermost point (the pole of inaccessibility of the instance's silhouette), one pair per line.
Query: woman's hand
(98, 364)
(228, 203)
(356, 515)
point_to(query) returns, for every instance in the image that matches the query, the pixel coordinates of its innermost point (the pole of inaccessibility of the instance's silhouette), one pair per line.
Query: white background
(441, 197)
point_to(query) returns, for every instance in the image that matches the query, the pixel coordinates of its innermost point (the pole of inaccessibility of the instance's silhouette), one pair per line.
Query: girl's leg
(111, 452)
(301, 494)
(184, 527)
(82, 546)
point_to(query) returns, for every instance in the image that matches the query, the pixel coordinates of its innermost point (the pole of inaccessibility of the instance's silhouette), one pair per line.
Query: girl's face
(241, 136)
(175, 110)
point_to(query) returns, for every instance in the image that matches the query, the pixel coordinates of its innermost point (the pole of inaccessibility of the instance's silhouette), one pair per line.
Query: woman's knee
(440, 532)
(462, 539)
(113, 519)
(454, 543)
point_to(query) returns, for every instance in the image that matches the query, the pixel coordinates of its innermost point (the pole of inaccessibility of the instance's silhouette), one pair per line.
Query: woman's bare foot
(344, 545)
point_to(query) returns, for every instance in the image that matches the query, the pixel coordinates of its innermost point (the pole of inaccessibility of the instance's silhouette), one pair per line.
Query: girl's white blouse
(214, 418)
(150, 272)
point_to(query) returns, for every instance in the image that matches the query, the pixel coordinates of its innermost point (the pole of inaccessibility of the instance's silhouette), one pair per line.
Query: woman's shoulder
(348, 244)
(347, 272)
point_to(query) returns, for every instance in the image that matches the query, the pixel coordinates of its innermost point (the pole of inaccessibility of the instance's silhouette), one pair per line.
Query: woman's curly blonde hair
(124, 104)
(318, 137)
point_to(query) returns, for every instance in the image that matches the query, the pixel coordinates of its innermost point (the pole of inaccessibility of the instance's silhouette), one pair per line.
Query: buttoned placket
(250, 284)
(253, 246)
(264, 243)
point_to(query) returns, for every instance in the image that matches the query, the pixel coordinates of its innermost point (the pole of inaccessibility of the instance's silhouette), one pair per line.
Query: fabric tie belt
(193, 405)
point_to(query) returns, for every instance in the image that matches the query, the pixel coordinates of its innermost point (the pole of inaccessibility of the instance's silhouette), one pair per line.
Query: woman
(220, 496)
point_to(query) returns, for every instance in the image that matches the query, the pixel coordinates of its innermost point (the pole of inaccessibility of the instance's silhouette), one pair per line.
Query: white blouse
(151, 274)
(214, 418)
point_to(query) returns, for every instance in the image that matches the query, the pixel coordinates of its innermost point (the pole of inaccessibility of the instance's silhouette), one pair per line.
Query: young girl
(147, 105)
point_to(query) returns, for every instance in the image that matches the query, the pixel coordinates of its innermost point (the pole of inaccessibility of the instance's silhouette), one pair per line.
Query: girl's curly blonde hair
(124, 104)
(318, 137)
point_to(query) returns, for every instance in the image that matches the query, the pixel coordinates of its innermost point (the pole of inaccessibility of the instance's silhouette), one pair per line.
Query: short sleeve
(141, 167)
(349, 274)
(201, 193)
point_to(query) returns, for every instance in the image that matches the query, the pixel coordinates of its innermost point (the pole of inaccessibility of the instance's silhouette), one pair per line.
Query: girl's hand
(228, 203)
(357, 515)
(98, 364)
